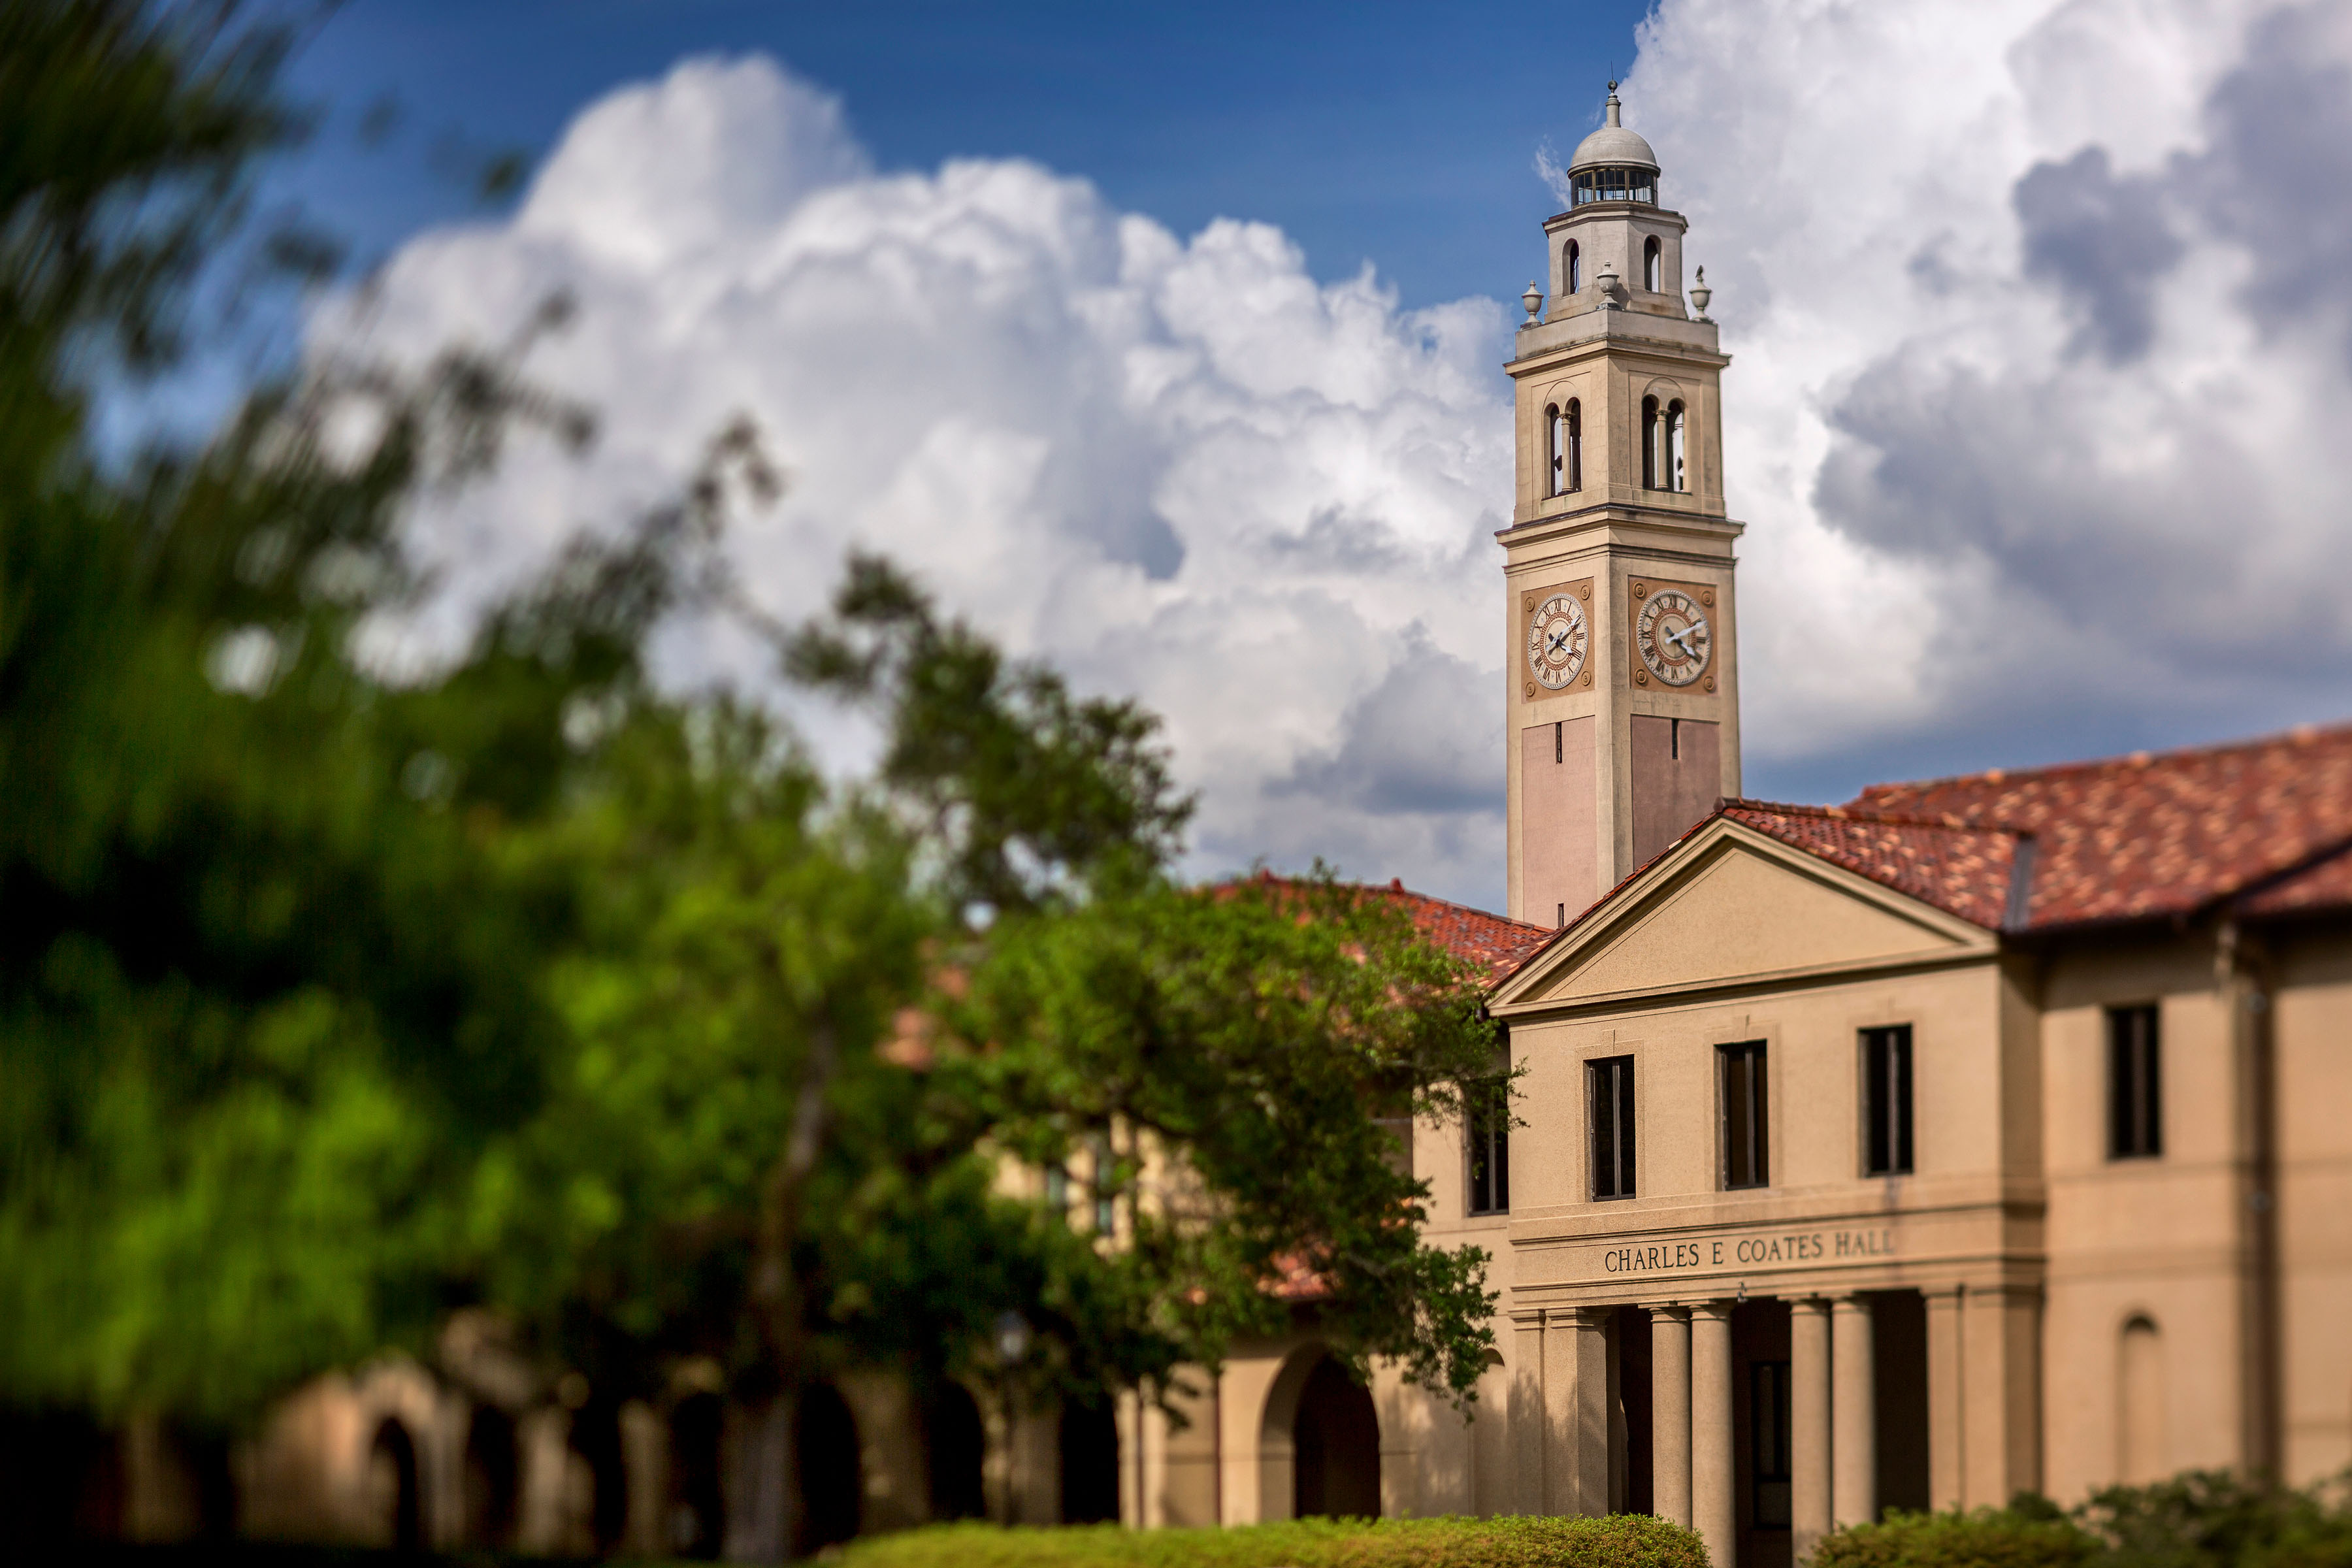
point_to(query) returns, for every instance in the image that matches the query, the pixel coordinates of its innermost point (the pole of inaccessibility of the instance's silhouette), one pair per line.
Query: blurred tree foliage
(329, 1001)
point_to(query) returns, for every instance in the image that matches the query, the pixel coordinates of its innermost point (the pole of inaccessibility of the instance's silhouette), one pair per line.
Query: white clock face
(1673, 637)
(1558, 639)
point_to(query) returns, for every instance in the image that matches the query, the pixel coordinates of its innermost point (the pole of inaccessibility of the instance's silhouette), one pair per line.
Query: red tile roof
(2149, 835)
(1968, 871)
(2325, 885)
(1490, 943)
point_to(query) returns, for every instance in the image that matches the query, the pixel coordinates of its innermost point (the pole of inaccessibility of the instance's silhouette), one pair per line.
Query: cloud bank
(2041, 331)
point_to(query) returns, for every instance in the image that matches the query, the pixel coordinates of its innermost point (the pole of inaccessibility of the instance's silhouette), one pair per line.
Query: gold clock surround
(1580, 676)
(1639, 592)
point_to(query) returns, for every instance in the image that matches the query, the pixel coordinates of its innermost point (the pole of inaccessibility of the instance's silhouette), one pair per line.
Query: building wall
(2312, 1053)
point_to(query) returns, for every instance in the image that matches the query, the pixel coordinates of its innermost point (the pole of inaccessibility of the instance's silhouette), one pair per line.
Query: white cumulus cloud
(2041, 325)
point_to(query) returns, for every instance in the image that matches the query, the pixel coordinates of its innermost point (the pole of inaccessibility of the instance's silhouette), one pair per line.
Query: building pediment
(1730, 906)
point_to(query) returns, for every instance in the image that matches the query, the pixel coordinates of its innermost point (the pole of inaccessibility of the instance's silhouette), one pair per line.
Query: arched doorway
(1089, 1452)
(956, 1445)
(396, 1515)
(490, 1478)
(824, 1449)
(697, 1496)
(596, 1438)
(1335, 1446)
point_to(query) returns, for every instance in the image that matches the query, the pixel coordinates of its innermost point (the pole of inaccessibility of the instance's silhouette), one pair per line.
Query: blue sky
(2038, 311)
(1401, 135)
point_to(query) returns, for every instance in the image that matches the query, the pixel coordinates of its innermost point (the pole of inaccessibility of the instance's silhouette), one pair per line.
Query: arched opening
(1335, 1446)
(1556, 454)
(1649, 452)
(1089, 1449)
(824, 1449)
(2139, 1414)
(1575, 445)
(1654, 266)
(596, 1438)
(1572, 268)
(490, 1478)
(1677, 475)
(956, 1447)
(698, 1495)
(396, 1514)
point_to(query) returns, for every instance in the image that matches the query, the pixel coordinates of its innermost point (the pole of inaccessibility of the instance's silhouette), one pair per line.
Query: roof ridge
(2296, 735)
(1950, 822)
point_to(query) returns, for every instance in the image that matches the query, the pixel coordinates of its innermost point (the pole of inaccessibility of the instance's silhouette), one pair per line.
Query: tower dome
(1614, 164)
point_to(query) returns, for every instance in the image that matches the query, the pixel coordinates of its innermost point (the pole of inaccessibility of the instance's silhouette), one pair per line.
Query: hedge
(1621, 1541)
(1989, 1538)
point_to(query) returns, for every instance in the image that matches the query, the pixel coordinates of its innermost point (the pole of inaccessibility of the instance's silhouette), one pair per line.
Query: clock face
(1557, 638)
(1672, 633)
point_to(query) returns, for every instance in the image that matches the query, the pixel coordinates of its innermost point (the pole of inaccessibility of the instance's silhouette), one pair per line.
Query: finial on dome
(1615, 116)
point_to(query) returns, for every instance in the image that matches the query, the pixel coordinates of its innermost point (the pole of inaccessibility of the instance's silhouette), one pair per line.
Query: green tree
(330, 1001)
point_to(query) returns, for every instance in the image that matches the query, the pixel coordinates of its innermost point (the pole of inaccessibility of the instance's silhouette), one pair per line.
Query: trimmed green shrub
(2213, 1518)
(1989, 1538)
(1621, 1541)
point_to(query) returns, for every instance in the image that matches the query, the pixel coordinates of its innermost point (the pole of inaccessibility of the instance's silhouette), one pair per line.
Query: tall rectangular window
(1886, 1100)
(1742, 1136)
(2134, 1084)
(1611, 1091)
(1768, 1415)
(1489, 1122)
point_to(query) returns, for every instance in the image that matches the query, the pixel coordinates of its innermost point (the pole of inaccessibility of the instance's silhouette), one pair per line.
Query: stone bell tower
(1623, 713)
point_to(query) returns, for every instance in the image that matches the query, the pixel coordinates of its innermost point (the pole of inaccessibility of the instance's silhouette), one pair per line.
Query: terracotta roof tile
(2325, 885)
(1967, 871)
(2146, 836)
(1490, 943)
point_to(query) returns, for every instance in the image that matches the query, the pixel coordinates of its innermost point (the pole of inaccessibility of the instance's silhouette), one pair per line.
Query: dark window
(1650, 443)
(1106, 1174)
(1614, 186)
(1767, 1413)
(1653, 266)
(1575, 269)
(1575, 444)
(1489, 1124)
(1677, 470)
(1057, 1188)
(1555, 435)
(1886, 1100)
(1744, 1136)
(2134, 1084)
(1612, 1127)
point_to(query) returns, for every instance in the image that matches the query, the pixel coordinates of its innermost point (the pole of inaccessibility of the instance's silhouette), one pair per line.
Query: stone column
(1576, 1397)
(1854, 1412)
(1670, 1410)
(1714, 1508)
(1529, 1418)
(2003, 1343)
(1948, 1468)
(1809, 1424)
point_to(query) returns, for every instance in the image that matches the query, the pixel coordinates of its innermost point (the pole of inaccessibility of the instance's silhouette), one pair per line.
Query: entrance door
(1336, 1440)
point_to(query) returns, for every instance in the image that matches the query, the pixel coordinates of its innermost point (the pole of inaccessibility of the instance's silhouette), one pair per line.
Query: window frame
(1614, 1077)
(2135, 1074)
(1756, 1102)
(1898, 1112)
(1487, 1118)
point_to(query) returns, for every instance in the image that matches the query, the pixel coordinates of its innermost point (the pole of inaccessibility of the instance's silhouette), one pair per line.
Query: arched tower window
(1654, 266)
(1555, 450)
(1678, 471)
(1575, 432)
(1650, 452)
(1572, 268)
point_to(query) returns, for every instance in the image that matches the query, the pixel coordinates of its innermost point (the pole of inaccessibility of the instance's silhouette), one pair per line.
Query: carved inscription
(1785, 1248)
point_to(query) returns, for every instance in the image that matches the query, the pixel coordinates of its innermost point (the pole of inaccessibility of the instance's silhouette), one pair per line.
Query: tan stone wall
(2312, 1045)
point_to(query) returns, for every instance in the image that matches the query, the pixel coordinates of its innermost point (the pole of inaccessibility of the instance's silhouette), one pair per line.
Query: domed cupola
(1614, 164)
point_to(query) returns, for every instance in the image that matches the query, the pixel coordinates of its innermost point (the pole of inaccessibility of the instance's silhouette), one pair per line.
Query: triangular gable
(1733, 906)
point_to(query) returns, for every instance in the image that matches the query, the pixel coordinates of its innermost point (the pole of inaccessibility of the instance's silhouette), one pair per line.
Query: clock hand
(1677, 637)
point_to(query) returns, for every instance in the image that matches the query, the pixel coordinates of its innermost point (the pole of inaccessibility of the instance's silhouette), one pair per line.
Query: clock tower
(1622, 712)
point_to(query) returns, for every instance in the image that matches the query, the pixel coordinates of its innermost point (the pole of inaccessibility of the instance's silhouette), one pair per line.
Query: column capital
(1581, 1317)
(1810, 1306)
(1718, 1310)
(1667, 1309)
